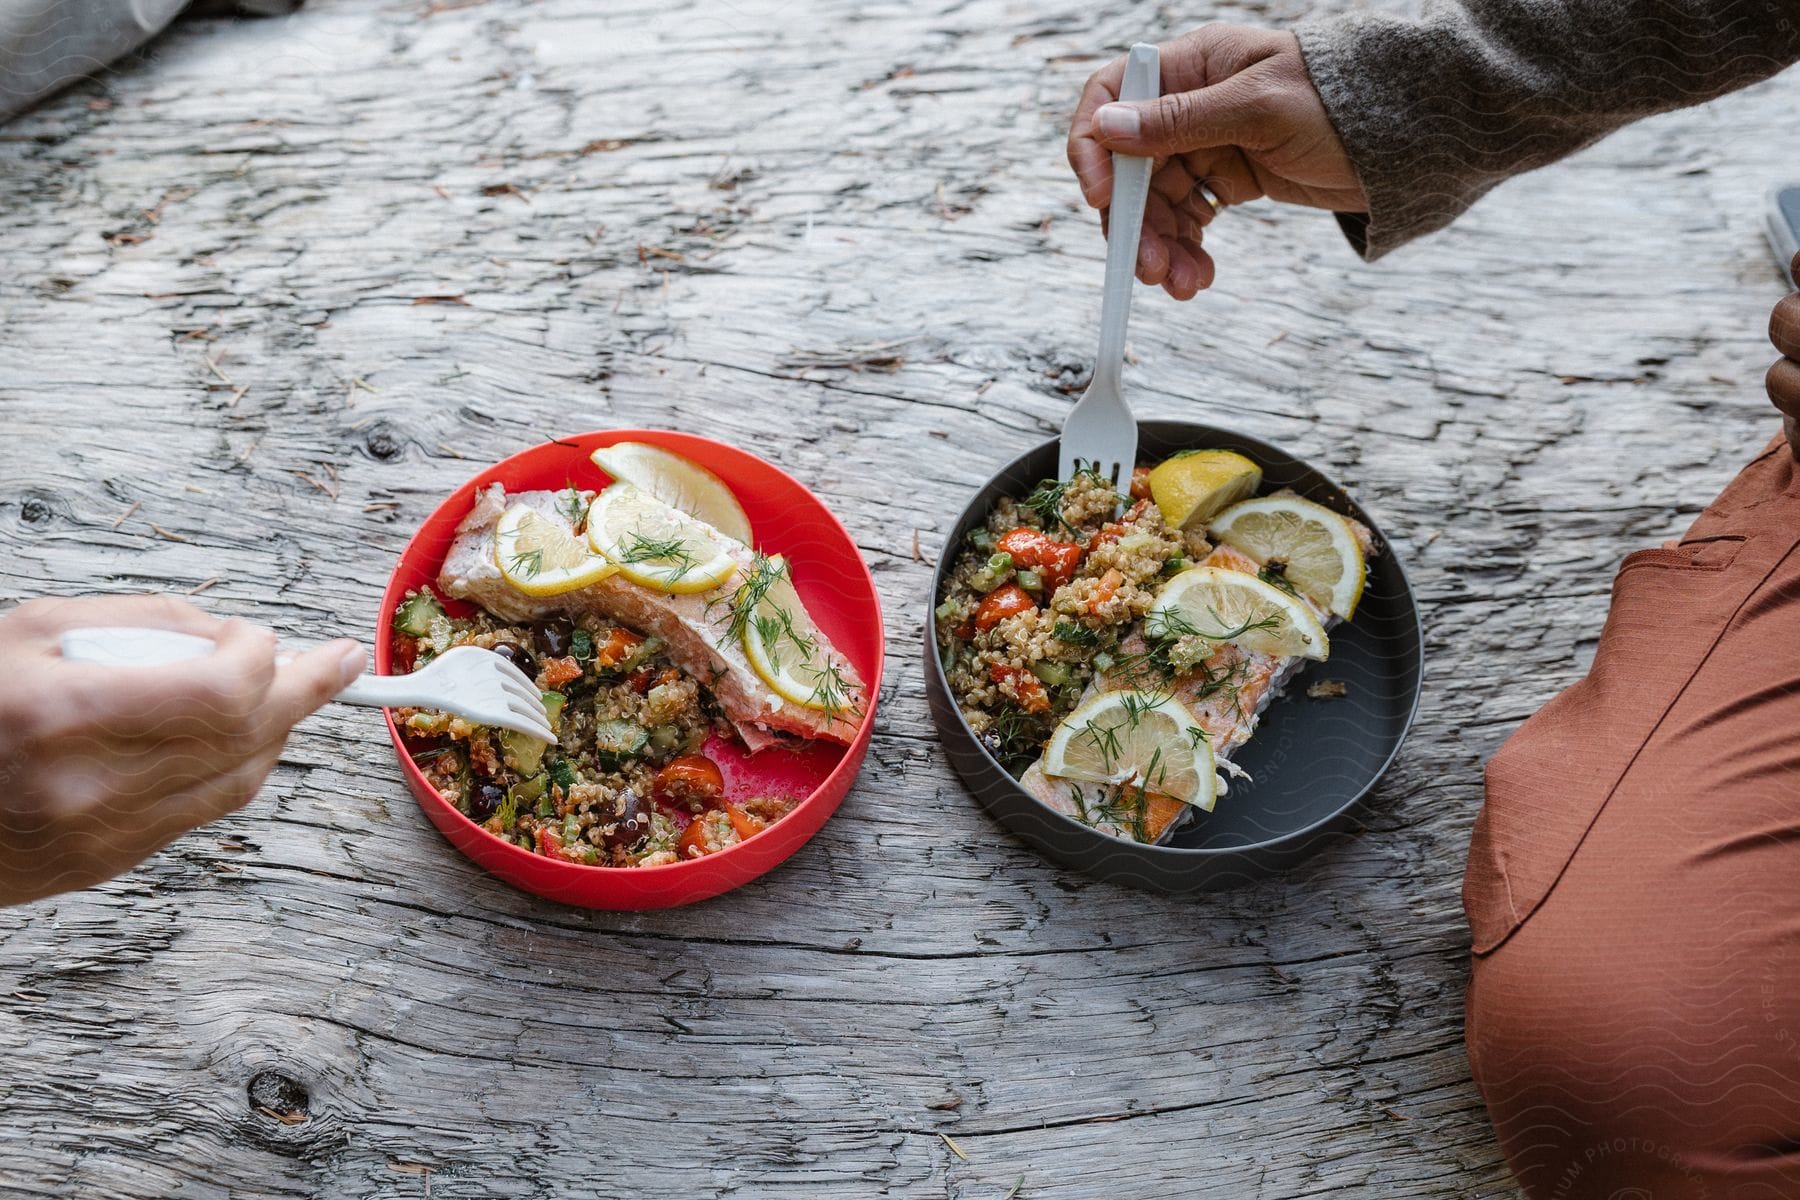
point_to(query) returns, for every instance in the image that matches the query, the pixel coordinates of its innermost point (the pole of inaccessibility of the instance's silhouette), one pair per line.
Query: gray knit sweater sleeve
(1437, 110)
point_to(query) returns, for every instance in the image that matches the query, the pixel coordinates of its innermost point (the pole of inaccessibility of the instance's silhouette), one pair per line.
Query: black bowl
(1311, 762)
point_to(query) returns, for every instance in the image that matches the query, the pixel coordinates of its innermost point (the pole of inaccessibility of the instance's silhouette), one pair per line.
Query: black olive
(555, 640)
(518, 656)
(632, 824)
(484, 800)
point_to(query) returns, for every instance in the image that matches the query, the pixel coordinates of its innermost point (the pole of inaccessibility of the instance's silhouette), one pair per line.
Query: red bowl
(839, 593)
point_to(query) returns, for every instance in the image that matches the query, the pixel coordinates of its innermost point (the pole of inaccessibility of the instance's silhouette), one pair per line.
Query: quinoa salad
(1040, 600)
(627, 782)
(1113, 652)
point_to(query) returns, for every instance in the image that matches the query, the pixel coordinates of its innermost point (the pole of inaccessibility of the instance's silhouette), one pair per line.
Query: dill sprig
(1172, 626)
(672, 551)
(1121, 806)
(571, 505)
(831, 693)
(748, 595)
(1075, 635)
(1047, 500)
(528, 563)
(1275, 575)
(1105, 739)
(1016, 736)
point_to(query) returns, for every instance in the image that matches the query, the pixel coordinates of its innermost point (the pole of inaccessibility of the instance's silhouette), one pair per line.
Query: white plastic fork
(1100, 432)
(475, 684)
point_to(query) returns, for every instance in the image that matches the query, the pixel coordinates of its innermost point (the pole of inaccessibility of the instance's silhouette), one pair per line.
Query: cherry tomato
(693, 839)
(618, 646)
(688, 780)
(641, 679)
(1140, 483)
(745, 824)
(1027, 687)
(1001, 603)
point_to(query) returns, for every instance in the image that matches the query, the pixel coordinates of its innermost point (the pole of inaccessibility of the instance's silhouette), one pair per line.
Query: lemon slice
(655, 545)
(1192, 487)
(783, 645)
(1223, 605)
(1317, 549)
(542, 555)
(1136, 739)
(676, 481)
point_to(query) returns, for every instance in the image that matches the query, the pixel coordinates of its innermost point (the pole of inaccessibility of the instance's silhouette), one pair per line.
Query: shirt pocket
(1708, 553)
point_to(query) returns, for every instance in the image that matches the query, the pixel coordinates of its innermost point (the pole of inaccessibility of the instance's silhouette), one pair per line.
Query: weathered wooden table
(269, 295)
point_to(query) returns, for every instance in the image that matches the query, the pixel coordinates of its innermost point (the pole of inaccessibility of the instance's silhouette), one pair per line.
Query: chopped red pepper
(558, 671)
(550, 844)
(1055, 561)
(1001, 603)
(1112, 531)
(1110, 583)
(1140, 483)
(1058, 563)
(1028, 688)
(618, 646)
(641, 679)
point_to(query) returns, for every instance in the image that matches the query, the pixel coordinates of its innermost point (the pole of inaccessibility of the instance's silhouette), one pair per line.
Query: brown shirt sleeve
(1437, 110)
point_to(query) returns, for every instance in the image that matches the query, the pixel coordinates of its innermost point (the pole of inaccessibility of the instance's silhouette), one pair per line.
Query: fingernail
(352, 663)
(1118, 120)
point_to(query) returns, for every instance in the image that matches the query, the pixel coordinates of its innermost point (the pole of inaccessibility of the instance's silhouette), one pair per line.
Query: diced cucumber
(415, 613)
(527, 791)
(996, 571)
(522, 752)
(1031, 581)
(562, 774)
(619, 741)
(665, 738)
(1053, 673)
(441, 633)
(641, 654)
(553, 708)
(428, 722)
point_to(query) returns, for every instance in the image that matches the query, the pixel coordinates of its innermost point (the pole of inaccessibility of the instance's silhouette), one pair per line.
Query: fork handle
(126, 646)
(1125, 222)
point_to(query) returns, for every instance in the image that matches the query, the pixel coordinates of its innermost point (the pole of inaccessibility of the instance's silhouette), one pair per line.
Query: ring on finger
(1210, 197)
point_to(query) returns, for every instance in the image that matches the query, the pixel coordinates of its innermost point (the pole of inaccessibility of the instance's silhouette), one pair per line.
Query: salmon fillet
(1225, 695)
(695, 628)
(1120, 811)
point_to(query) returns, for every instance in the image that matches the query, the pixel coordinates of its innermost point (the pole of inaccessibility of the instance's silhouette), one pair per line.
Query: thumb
(1225, 114)
(307, 681)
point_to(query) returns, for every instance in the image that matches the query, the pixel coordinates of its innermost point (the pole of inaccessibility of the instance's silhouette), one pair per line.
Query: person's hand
(102, 766)
(1784, 376)
(1238, 114)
